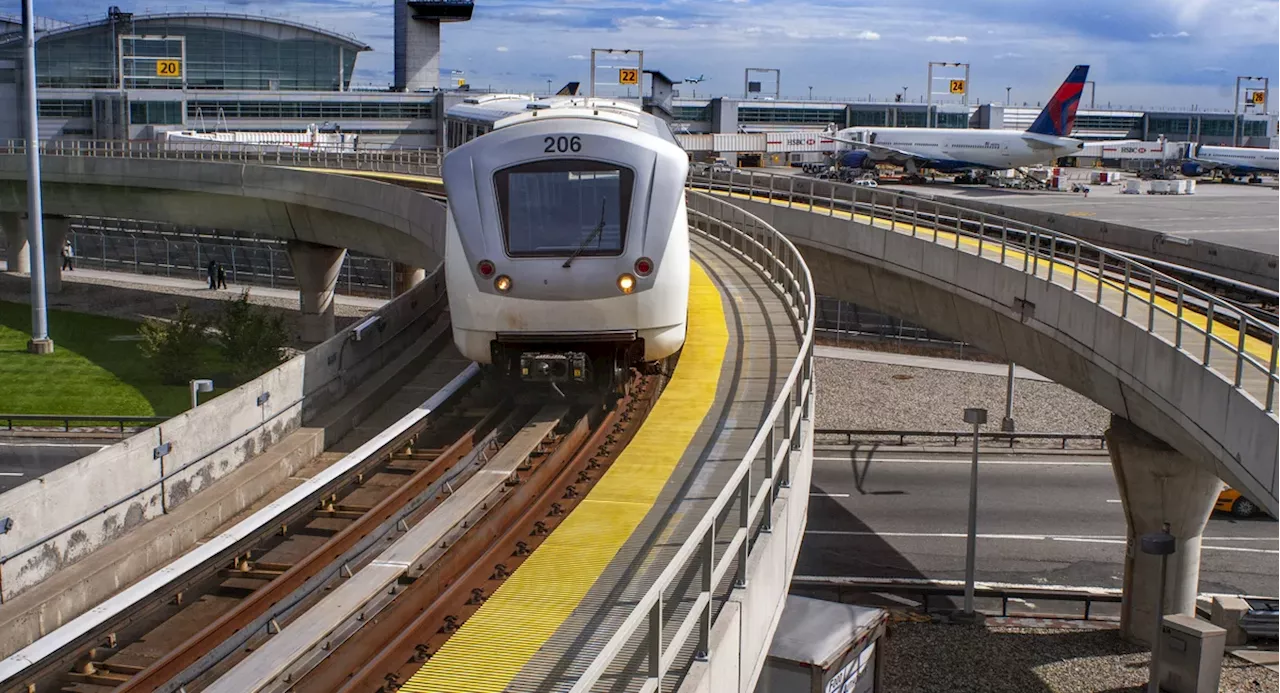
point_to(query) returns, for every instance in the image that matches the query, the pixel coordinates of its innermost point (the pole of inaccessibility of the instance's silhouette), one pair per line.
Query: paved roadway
(23, 461)
(1231, 214)
(1042, 520)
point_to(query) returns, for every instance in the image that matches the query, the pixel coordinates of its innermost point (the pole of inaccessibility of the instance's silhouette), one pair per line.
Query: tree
(252, 338)
(173, 347)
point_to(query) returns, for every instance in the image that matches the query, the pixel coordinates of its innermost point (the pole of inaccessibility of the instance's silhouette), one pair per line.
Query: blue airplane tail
(1059, 116)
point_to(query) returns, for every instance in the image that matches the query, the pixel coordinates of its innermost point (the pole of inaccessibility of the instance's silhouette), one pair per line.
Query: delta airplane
(954, 150)
(1232, 161)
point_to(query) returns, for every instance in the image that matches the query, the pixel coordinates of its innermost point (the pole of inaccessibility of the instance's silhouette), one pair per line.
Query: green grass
(96, 368)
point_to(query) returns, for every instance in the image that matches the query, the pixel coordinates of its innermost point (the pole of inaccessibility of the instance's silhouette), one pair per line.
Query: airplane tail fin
(570, 89)
(1059, 116)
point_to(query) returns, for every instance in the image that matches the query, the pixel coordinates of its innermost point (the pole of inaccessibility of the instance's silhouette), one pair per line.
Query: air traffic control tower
(418, 40)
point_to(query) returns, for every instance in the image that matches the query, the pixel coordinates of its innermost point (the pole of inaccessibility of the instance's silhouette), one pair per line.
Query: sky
(1149, 53)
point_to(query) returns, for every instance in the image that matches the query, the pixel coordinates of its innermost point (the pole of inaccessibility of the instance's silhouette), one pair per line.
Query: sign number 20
(562, 144)
(168, 68)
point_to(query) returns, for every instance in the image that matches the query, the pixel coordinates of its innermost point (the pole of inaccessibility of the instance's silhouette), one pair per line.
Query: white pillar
(18, 250)
(56, 230)
(315, 267)
(405, 277)
(1157, 485)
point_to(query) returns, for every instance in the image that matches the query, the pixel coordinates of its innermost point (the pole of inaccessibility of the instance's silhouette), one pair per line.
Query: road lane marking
(967, 463)
(1081, 539)
(12, 474)
(1113, 500)
(828, 495)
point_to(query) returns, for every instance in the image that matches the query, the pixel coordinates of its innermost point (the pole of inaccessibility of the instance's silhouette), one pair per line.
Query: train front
(567, 258)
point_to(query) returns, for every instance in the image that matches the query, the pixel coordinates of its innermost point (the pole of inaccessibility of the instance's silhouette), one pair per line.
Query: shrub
(252, 338)
(173, 347)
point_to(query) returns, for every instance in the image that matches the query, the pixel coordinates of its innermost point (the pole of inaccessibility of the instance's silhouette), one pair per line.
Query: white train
(567, 258)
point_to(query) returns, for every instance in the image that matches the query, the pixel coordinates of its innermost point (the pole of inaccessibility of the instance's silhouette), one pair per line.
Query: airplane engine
(1191, 169)
(858, 158)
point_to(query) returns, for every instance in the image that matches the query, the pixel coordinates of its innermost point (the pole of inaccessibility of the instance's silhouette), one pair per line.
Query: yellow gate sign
(1259, 97)
(627, 75)
(957, 86)
(168, 68)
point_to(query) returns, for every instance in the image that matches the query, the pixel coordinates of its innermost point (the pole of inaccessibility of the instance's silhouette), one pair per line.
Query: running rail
(774, 256)
(1143, 287)
(68, 633)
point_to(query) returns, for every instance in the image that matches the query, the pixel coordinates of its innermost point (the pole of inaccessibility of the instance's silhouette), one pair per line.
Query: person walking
(68, 256)
(213, 274)
(222, 277)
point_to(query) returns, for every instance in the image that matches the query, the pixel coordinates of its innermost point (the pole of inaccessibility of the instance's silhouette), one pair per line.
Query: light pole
(548, 87)
(1008, 94)
(198, 386)
(977, 417)
(40, 342)
(1160, 544)
(811, 92)
(904, 95)
(1006, 424)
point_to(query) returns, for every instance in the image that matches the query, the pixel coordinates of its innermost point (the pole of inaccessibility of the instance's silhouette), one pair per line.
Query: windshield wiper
(587, 241)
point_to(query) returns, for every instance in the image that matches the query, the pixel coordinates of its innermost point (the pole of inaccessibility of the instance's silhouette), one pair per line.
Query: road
(21, 462)
(1042, 520)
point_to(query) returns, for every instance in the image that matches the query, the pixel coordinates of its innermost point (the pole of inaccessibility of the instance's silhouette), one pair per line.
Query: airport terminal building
(131, 76)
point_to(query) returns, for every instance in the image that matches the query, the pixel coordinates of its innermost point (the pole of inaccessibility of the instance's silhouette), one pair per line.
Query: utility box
(824, 647)
(1190, 654)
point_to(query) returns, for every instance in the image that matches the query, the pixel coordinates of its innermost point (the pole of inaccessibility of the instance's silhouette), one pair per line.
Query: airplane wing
(879, 152)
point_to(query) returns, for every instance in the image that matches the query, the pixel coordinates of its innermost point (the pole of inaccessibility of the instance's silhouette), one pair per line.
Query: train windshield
(564, 206)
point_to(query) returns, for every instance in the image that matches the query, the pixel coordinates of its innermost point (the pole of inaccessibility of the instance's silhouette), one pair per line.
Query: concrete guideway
(1197, 394)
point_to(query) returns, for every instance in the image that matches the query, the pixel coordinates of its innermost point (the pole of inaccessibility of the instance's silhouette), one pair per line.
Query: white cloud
(1007, 56)
(577, 56)
(867, 36)
(1162, 35)
(503, 49)
(948, 39)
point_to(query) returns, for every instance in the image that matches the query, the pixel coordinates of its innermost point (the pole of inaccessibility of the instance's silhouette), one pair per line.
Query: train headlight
(644, 266)
(485, 268)
(502, 283)
(626, 283)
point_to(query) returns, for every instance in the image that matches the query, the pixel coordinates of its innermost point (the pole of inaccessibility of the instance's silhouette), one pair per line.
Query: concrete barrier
(63, 516)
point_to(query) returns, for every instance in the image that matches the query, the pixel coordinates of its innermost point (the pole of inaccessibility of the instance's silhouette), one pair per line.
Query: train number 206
(562, 144)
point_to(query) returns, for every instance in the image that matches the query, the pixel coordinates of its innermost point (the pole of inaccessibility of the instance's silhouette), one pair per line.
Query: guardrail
(44, 421)
(419, 162)
(956, 436)
(924, 589)
(1046, 255)
(775, 441)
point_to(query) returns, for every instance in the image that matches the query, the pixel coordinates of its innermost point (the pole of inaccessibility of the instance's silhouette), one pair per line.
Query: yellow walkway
(498, 640)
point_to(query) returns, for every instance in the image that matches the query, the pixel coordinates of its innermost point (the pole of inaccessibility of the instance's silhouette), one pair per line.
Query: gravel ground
(856, 394)
(123, 299)
(936, 658)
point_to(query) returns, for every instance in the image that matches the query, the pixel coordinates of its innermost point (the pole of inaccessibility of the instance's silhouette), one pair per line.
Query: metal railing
(1202, 322)
(779, 436)
(46, 421)
(849, 435)
(418, 162)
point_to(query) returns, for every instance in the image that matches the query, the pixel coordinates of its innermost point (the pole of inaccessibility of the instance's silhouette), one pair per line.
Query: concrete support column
(1158, 485)
(56, 230)
(316, 268)
(18, 250)
(405, 277)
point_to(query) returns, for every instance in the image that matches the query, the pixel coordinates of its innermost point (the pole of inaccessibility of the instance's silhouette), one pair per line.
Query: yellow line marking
(491, 648)
(1253, 346)
(371, 174)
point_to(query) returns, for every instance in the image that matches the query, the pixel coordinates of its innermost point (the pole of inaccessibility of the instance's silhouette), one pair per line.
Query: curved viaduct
(319, 213)
(1179, 427)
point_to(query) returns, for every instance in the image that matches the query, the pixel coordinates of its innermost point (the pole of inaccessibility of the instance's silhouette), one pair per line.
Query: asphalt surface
(1237, 215)
(1042, 521)
(21, 462)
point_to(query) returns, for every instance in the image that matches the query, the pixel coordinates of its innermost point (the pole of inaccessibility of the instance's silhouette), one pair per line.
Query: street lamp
(1006, 424)
(40, 342)
(1160, 544)
(1008, 91)
(198, 386)
(977, 417)
(548, 87)
(904, 95)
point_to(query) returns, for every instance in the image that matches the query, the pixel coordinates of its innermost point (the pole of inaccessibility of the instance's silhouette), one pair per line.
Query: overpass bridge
(1191, 379)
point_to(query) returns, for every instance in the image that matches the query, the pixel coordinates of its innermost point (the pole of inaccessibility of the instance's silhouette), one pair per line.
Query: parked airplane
(1202, 159)
(954, 150)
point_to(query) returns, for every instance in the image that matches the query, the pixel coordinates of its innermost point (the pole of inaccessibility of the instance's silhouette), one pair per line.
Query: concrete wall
(1048, 329)
(743, 631)
(88, 504)
(307, 205)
